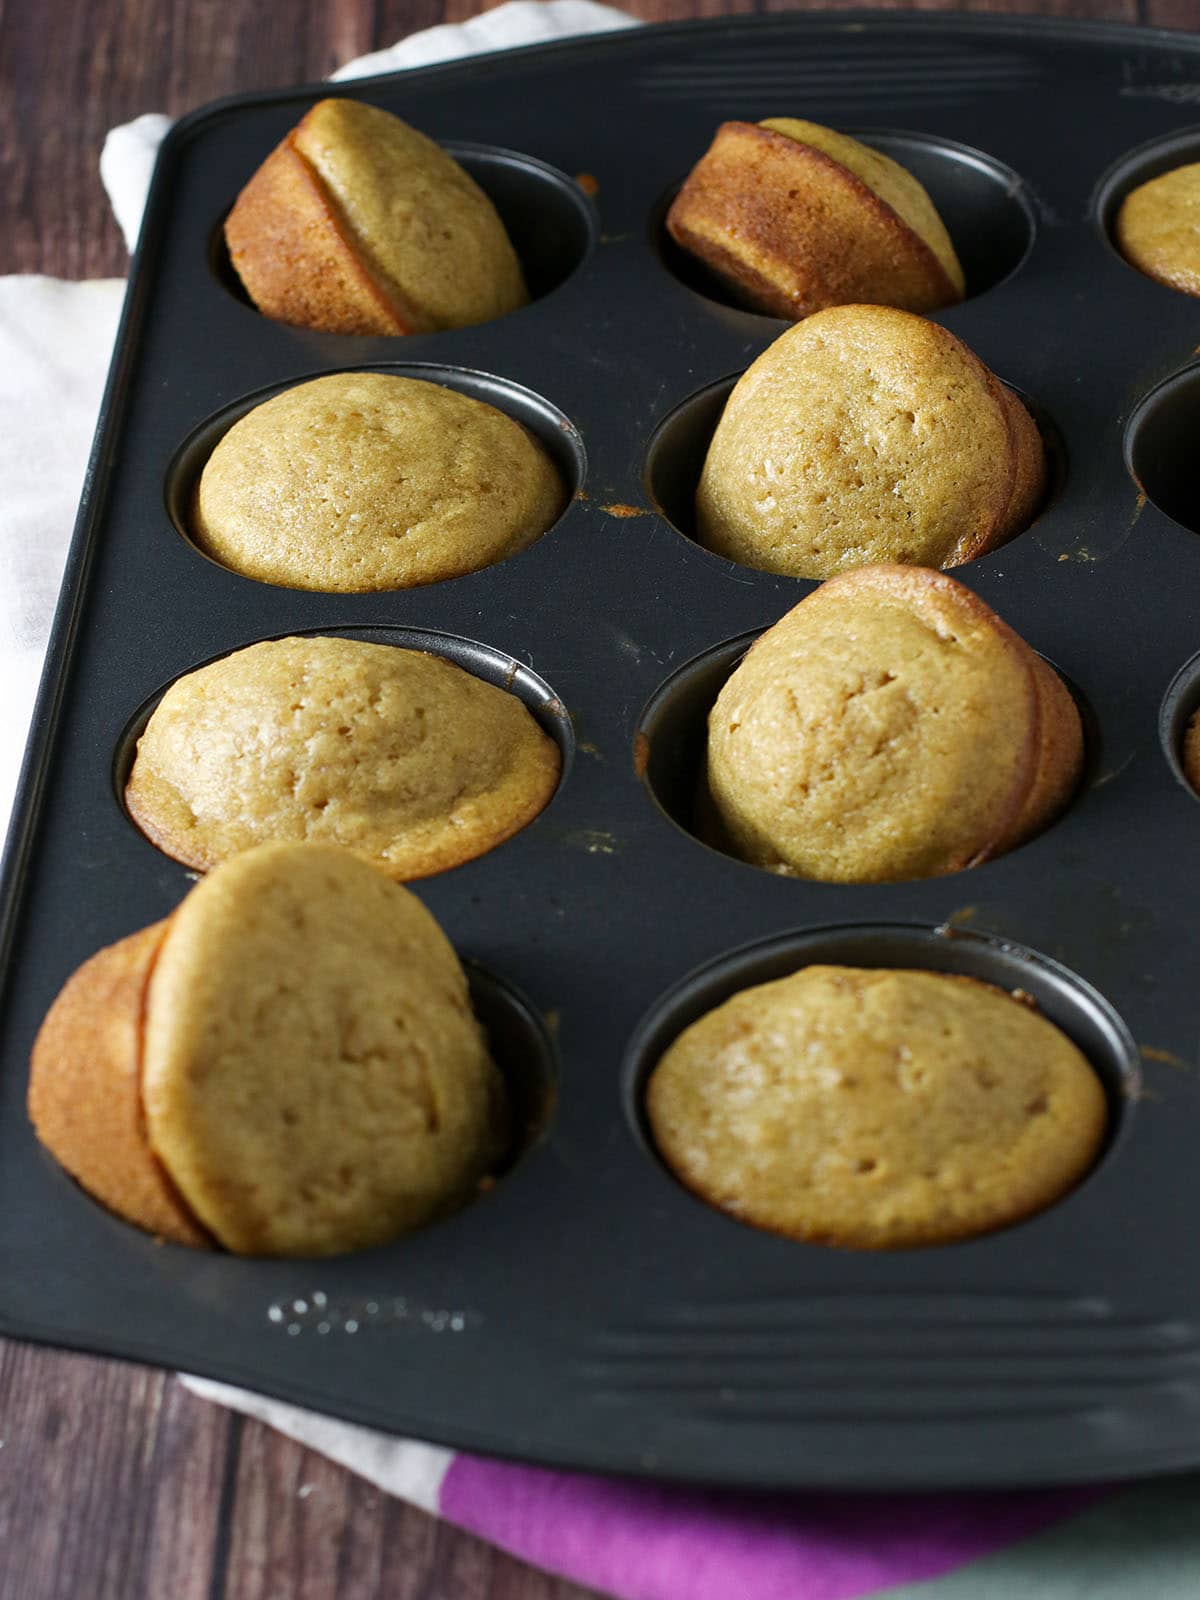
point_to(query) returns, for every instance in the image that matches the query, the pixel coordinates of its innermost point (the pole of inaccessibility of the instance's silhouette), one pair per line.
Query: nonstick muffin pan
(589, 1312)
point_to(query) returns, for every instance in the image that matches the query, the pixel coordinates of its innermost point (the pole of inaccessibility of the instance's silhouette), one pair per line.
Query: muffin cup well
(554, 431)
(1060, 996)
(1159, 439)
(552, 223)
(984, 205)
(1180, 704)
(482, 661)
(1142, 165)
(679, 445)
(671, 743)
(524, 1054)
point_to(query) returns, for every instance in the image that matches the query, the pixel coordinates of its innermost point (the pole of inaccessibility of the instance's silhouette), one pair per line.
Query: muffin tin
(588, 1312)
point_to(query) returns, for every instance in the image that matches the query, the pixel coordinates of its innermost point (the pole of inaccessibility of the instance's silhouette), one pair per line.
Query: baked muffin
(85, 1093)
(399, 756)
(867, 434)
(357, 223)
(293, 1058)
(364, 481)
(875, 1109)
(793, 217)
(889, 727)
(1190, 753)
(1158, 228)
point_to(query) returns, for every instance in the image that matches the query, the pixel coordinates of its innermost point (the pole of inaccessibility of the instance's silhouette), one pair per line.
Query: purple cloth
(652, 1542)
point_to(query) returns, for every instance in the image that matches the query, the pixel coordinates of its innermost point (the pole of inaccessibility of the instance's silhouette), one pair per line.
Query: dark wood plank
(308, 1530)
(110, 1480)
(1172, 14)
(1107, 10)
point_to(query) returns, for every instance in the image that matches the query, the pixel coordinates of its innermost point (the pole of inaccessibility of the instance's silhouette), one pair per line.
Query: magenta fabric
(654, 1542)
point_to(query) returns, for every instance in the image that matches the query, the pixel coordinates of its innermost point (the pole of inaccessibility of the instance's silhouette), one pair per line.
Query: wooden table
(115, 1484)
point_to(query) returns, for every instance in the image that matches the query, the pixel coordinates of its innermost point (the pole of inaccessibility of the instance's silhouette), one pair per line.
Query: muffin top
(364, 481)
(867, 434)
(890, 726)
(876, 1109)
(313, 1077)
(399, 756)
(1158, 228)
(793, 217)
(357, 223)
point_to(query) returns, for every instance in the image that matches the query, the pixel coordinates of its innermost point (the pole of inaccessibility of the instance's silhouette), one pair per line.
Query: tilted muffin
(876, 1109)
(312, 1078)
(364, 481)
(357, 223)
(890, 726)
(794, 217)
(867, 434)
(399, 756)
(1158, 228)
(85, 1097)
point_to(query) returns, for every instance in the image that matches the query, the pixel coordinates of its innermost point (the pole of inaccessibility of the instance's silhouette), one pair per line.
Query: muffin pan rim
(1054, 1444)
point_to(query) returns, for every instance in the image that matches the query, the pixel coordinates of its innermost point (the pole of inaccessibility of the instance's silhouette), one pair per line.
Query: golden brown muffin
(867, 434)
(312, 1079)
(399, 756)
(1158, 228)
(357, 223)
(889, 727)
(1190, 754)
(794, 217)
(363, 481)
(85, 1092)
(876, 1109)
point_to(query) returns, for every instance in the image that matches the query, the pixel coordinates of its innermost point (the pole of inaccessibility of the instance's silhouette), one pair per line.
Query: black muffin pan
(589, 1312)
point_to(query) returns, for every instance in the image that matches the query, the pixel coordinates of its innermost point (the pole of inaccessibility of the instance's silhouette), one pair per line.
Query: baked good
(397, 755)
(312, 1079)
(364, 481)
(793, 217)
(85, 1092)
(1158, 228)
(867, 434)
(876, 1109)
(357, 223)
(890, 726)
(1190, 753)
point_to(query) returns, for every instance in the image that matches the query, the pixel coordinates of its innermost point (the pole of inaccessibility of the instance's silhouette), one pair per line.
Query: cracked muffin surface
(867, 434)
(872, 1108)
(364, 481)
(890, 726)
(398, 755)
